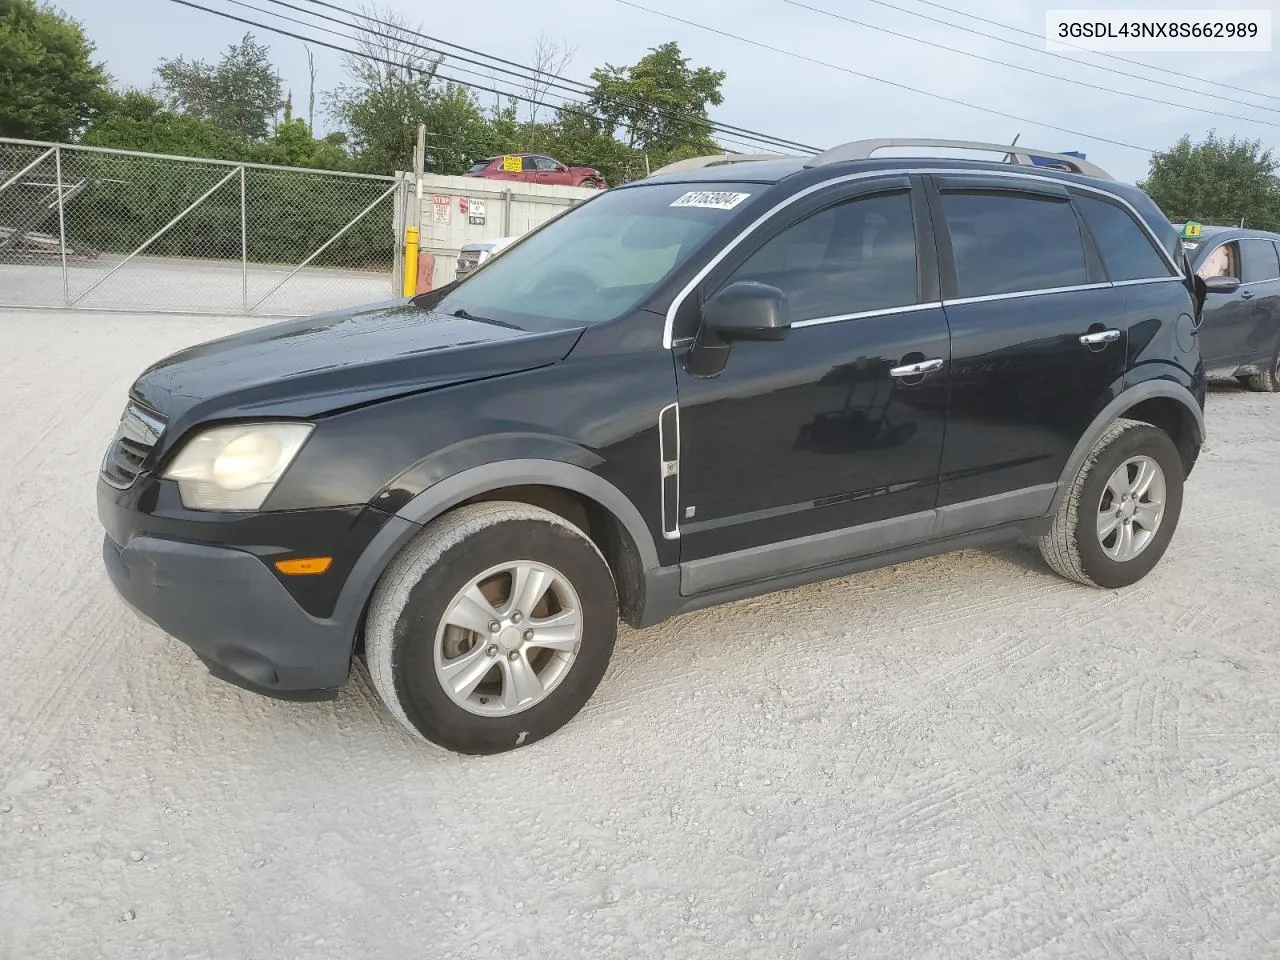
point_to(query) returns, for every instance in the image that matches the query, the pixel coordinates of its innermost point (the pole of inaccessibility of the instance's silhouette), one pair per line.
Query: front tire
(452, 649)
(1119, 514)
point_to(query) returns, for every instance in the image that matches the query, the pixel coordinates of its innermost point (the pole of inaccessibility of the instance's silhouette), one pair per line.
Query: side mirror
(746, 310)
(1221, 285)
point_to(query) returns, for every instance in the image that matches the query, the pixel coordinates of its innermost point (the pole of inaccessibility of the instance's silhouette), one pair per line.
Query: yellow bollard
(411, 261)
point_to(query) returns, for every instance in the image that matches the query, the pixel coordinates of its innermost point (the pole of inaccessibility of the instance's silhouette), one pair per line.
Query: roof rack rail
(715, 160)
(863, 149)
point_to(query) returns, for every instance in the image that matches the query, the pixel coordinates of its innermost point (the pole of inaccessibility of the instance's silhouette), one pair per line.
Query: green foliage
(289, 213)
(240, 93)
(49, 85)
(1216, 181)
(381, 124)
(293, 146)
(660, 104)
(133, 120)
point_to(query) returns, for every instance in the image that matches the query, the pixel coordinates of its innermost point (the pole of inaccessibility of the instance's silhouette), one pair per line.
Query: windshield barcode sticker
(711, 200)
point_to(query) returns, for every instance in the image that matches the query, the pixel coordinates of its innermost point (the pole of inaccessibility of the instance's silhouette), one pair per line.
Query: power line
(445, 77)
(891, 83)
(523, 71)
(1109, 56)
(1031, 70)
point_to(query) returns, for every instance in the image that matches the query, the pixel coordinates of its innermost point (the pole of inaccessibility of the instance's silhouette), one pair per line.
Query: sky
(784, 95)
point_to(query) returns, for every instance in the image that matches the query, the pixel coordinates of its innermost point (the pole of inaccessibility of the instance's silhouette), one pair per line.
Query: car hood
(333, 361)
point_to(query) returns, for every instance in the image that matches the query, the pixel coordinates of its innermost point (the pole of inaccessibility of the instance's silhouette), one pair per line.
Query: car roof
(797, 171)
(775, 171)
(1224, 233)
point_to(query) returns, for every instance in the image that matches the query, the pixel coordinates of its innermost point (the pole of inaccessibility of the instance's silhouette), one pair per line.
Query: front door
(823, 445)
(1226, 318)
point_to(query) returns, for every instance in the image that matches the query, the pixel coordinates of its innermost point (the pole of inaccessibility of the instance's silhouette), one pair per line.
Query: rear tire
(1120, 512)
(453, 655)
(1268, 382)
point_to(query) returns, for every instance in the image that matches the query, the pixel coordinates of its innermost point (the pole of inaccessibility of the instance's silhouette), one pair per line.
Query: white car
(473, 254)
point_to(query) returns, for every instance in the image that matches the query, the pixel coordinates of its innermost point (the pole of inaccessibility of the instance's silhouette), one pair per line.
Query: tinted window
(1126, 251)
(477, 167)
(852, 257)
(1258, 259)
(1006, 243)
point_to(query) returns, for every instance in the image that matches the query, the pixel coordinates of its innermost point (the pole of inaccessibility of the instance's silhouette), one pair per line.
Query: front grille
(135, 437)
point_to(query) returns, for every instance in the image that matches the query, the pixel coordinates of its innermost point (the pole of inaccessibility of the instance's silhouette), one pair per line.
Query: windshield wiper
(471, 316)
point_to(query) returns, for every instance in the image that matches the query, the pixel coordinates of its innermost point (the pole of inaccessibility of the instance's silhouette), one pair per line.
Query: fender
(1146, 390)
(451, 491)
(491, 448)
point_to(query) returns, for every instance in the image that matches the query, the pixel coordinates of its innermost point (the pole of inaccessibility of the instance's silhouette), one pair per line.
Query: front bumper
(228, 607)
(207, 581)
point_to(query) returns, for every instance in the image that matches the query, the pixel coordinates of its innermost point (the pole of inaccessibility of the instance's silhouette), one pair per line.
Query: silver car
(473, 254)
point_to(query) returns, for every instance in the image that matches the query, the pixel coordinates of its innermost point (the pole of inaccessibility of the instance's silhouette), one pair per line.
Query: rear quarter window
(1127, 252)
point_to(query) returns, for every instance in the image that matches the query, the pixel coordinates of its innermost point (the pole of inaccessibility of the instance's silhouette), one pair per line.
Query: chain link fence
(91, 228)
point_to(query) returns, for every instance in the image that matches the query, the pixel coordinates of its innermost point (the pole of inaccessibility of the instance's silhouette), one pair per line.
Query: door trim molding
(788, 558)
(820, 549)
(1009, 507)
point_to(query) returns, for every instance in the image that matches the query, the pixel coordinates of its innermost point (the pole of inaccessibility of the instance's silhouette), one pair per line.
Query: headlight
(236, 467)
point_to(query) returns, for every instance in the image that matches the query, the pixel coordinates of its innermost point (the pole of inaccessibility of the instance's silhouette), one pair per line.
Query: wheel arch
(1165, 404)
(583, 498)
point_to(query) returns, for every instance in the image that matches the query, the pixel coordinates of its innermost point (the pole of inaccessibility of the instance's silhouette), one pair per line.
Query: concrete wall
(511, 208)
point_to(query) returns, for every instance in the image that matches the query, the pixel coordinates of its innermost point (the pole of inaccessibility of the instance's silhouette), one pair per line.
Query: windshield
(599, 260)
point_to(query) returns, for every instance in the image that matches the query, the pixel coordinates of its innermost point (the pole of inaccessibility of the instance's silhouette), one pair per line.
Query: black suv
(725, 379)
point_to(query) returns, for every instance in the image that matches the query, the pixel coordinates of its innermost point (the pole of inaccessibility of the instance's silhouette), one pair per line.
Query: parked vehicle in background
(1240, 330)
(710, 384)
(536, 168)
(473, 254)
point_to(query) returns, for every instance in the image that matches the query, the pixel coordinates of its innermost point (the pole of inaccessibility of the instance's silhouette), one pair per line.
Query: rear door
(1260, 323)
(1039, 342)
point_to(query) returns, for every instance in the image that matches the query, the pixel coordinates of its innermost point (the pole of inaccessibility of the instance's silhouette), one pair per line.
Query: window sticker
(710, 200)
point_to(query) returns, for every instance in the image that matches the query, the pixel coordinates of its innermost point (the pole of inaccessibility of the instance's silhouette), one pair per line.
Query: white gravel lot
(963, 757)
(193, 286)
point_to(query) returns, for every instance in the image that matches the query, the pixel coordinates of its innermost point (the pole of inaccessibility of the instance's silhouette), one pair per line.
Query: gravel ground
(963, 757)
(201, 286)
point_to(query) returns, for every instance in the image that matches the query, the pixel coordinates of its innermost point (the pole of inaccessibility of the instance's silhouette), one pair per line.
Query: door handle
(1246, 294)
(1102, 336)
(917, 369)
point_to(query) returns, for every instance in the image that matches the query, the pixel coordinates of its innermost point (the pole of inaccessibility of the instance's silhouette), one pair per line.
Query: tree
(292, 145)
(661, 103)
(392, 89)
(390, 52)
(382, 126)
(1216, 181)
(550, 59)
(134, 120)
(49, 85)
(240, 93)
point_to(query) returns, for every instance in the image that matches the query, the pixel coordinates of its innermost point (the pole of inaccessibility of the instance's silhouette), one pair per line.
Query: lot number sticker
(710, 200)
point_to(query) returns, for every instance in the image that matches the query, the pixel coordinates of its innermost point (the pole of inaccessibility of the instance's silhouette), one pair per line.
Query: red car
(536, 168)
